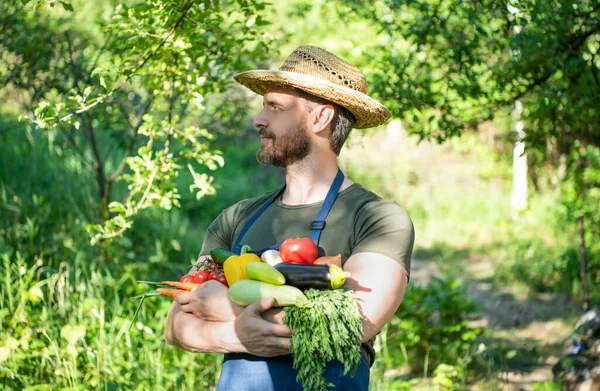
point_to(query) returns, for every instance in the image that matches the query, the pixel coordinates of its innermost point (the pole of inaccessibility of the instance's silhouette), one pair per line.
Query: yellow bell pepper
(235, 266)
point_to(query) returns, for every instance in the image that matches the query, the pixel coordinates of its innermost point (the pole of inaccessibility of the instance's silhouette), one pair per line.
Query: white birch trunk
(519, 195)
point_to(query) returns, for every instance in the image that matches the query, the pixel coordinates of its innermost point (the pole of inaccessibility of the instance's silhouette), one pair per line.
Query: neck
(309, 181)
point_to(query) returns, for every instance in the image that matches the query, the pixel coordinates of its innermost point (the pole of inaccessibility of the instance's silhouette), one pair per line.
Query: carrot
(188, 286)
(170, 292)
(329, 260)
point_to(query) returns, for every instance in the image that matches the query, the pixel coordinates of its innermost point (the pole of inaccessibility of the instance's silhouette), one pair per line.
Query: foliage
(539, 266)
(453, 64)
(546, 386)
(449, 377)
(70, 327)
(580, 200)
(431, 327)
(549, 259)
(139, 85)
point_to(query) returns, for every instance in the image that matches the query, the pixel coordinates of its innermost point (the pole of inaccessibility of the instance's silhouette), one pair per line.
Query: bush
(71, 327)
(539, 266)
(431, 327)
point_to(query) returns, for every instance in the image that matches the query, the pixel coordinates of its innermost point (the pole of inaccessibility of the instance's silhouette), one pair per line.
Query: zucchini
(220, 255)
(246, 292)
(313, 276)
(260, 271)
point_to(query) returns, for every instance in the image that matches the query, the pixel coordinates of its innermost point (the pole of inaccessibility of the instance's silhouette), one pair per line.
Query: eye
(275, 108)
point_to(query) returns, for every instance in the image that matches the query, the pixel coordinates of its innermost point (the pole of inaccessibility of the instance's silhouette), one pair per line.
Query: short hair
(342, 123)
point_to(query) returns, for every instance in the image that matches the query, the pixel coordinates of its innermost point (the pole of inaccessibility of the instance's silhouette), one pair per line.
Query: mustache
(266, 133)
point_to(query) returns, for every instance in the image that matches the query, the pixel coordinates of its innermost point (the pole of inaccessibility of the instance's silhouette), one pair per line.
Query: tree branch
(108, 150)
(570, 45)
(76, 147)
(140, 66)
(113, 177)
(99, 52)
(77, 73)
(100, 175)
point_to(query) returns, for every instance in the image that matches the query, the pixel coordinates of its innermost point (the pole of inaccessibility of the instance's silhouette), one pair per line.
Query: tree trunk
(519, 194)
(583, 265)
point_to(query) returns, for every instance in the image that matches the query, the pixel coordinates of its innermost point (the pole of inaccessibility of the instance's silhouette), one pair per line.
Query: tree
(448, 66)
(124, 86)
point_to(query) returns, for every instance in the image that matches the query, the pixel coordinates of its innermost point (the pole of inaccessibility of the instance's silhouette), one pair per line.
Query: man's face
(282, 129)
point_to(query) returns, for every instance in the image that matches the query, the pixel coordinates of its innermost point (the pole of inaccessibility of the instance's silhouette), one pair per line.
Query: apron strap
(316, 227)
(237, 247)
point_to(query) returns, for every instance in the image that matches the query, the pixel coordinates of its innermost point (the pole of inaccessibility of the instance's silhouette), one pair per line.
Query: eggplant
(312, 276)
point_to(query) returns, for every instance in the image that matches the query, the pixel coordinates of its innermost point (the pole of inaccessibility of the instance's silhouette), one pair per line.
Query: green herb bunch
(330, 328)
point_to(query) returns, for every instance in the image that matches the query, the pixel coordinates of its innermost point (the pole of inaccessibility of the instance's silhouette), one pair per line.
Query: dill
(330, 328)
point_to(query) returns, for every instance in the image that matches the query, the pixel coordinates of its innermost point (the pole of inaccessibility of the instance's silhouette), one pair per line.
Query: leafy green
(329, 329)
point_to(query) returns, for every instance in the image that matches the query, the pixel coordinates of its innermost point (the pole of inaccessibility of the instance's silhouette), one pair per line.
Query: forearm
(248, 333)
(379, 290)
(373, 320)
(193, 334)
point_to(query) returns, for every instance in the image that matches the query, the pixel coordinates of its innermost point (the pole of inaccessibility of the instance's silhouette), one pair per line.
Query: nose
(260, 121)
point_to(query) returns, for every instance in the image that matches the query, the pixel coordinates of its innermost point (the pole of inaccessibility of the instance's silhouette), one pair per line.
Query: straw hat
(325, 75)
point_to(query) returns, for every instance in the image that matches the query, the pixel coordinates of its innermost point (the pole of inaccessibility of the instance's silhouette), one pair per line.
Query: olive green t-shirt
(359, 221)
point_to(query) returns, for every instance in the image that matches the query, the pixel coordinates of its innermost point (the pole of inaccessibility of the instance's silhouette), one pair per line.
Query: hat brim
(368, 112)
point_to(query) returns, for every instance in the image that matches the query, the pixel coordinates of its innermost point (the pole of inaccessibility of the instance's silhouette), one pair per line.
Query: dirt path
(535, 329)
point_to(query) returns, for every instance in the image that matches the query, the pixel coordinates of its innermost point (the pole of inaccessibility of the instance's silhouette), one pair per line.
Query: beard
(285, 149)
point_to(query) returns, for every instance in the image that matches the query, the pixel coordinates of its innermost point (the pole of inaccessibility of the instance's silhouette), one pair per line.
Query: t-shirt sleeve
(220, 232)
(385, 228)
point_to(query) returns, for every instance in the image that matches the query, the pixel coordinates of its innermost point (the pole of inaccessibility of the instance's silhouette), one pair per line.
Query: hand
(274, 315)
(209, 301)
(259, 336)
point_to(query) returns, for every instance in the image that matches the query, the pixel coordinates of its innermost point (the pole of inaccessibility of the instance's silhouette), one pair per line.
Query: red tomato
(201, 277)
(218, 275)
(187, 278)
(300, 250)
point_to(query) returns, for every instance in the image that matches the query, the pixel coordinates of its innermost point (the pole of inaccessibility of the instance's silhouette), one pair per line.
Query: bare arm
(380, 284)
(190, 333)
(205, 320)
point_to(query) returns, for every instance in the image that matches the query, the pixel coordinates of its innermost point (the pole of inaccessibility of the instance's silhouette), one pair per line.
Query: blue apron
(246, 372)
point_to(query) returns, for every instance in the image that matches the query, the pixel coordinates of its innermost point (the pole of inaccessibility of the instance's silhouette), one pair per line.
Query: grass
(75, 323)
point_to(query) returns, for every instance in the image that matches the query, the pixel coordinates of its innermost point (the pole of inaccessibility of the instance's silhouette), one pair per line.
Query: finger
(278, 344)
(187, 308)
(279, 330)
(183, 298)
(261, 305)
(274, 315)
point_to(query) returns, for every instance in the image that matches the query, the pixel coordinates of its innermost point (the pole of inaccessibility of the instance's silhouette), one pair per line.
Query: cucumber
(220, 255)
(260, 271)
(246, 292)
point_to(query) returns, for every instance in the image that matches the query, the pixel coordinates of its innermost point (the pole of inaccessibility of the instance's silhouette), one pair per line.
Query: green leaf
(72, 333)
(4, 353)
(67, 6)
(35, 294)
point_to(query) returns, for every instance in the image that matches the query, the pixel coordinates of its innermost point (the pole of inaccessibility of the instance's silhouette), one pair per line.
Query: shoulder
(370, 204)
(249, 205)
(375, 215)
(383, 226)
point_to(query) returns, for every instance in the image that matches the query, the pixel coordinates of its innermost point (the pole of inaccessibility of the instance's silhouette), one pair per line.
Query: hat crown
(317, 62)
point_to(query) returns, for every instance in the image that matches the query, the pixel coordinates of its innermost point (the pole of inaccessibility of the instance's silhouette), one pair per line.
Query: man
(309, 107)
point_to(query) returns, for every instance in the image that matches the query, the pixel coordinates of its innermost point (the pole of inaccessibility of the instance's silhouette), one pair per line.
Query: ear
(322, 116)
